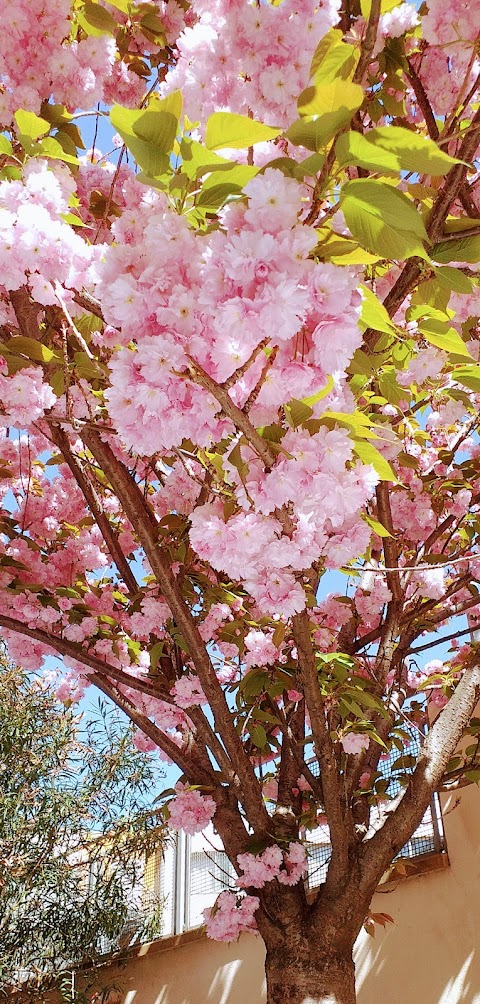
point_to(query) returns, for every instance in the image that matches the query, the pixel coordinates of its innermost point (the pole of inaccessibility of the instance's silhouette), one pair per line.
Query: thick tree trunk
(316, 978)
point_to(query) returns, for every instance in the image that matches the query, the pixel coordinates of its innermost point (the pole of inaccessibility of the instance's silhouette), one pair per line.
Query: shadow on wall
(196, 972)
(431, 954)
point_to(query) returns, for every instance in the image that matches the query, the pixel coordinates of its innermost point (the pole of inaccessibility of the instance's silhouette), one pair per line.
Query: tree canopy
(75, 821)
(240, 395)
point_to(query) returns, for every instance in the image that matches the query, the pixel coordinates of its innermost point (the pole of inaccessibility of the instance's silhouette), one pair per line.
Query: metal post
(179, 884)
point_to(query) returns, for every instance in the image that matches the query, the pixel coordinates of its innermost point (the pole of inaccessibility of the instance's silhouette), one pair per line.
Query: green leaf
(415, 153)
(156, 652)
(383, 220)
(331, 40)
(31, 125)
(158, 128)
(5, 145)
(96, 20)
(172, 103)
(219, 185)
(228, 131)
(469, 376)
(464, 249)
(313, 398)
(373, 313)
(259, 736)
(449, 340)
(344, 251)
(370, 701)
(297, 412)
(237, 176)
(152, 25)
(31, 348)
(333, 105)
(70, 130)
(72, 219)
(50, 147)
(388, 386)
(235, 458)
(392, 148)
(339, 98)
(454, 279)
(150, 146)
(355, 421)
(354, 148)
(385, 6)
(197, 160)
(473, 775)
(88, 368)
(333, 58)
(437, 330)
(377, 527)
(368, 454)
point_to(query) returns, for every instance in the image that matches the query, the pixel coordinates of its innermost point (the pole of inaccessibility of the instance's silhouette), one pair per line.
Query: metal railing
(188, 876)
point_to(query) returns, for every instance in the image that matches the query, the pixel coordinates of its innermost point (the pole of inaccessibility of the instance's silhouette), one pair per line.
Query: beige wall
(431, 955)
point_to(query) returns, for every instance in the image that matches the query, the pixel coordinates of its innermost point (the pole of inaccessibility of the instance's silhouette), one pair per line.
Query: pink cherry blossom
(354, 742)
(230, 916)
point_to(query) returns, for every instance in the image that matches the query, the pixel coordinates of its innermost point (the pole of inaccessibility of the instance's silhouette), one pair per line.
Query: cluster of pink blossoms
(188, 692)
(39, 59)
(36, 245)
(174, 296)
(233, 914)
(354, 742)
(24, 396)
(287, 866)
(446, 67)
(242, 55)
(190, 811)
(230, 916)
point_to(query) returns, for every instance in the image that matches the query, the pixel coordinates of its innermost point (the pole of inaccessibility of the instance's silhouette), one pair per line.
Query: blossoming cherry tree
(239, 392)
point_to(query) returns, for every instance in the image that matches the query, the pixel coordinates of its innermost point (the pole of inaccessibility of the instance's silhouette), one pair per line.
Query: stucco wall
(431, 955)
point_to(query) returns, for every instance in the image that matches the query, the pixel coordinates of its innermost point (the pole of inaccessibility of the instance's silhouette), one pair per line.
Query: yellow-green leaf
(376, 526)
(355, 148)
(333, 58)
(469, 376)
(148, 135)
(411, 151)
(333, 105)
(385, 6)
(31, 348)
(463, 249)
(50, 147)
(96, 20)
(383, 220)
(435, 327)
(31, 125)
(226, 130)
(373, 313)
(368, 454)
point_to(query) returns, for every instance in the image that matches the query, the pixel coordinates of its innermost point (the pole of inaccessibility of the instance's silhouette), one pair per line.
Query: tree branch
(440, 744)
(61, 440)
(236, 415)
(329, 770)
(195, 769)
(368, 43)
(423, 102)
(144, 523)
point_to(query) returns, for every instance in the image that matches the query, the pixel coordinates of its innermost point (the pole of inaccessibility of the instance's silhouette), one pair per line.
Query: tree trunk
(313, 978)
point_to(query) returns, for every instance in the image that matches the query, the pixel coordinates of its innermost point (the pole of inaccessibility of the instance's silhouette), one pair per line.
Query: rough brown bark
(310, 976)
